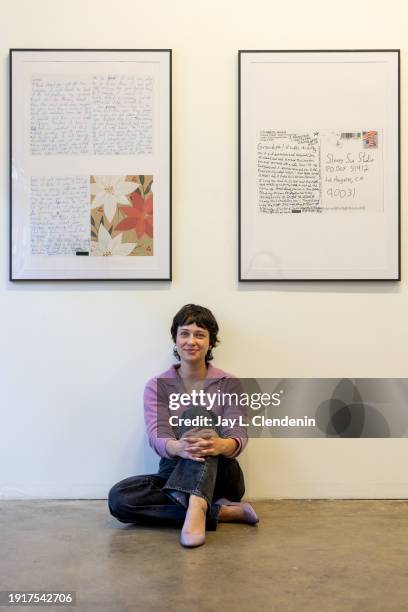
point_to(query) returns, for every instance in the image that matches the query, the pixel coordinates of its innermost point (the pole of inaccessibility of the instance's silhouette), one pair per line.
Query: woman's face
(192, 343)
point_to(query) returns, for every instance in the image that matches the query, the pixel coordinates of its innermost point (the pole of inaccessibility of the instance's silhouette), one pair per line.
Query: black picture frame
(256, 74)
(22, 67)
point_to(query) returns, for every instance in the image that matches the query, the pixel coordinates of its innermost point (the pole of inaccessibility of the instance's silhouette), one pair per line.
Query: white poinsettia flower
(109, 191)
(107, 245)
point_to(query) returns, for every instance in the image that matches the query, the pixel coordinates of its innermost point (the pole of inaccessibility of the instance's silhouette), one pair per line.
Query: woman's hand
(206, 443)
(178, 448)
(197, 444)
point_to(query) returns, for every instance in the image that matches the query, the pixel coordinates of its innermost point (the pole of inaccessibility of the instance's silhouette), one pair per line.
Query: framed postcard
(319, 175)
(90, 164)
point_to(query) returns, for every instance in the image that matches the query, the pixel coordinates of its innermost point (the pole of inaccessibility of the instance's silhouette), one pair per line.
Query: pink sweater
(215, 380)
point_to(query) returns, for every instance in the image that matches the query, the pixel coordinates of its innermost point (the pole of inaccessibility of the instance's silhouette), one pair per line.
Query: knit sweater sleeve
(156, 417)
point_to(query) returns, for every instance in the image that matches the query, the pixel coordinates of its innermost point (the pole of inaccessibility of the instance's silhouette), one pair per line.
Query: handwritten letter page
(59, 215)
(288, 172)
(60, 116)
(122, 107)
(95, 115)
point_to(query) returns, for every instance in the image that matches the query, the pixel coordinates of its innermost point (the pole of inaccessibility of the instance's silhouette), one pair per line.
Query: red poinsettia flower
(139, 216)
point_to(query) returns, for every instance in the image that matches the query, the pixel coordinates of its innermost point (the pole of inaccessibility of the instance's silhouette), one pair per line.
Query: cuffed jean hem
(182, 495)
(193, 478)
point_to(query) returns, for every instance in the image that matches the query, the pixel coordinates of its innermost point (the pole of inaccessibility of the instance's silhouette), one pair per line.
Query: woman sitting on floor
(199, 481)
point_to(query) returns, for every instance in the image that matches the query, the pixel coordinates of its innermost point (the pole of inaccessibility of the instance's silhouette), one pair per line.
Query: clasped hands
(197, 444)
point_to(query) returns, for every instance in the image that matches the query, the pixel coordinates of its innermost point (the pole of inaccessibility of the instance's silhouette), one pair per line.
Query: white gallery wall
(75, 356)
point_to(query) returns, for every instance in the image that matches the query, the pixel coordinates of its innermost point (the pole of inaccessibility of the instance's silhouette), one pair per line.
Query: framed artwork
(319, 165)
(90, 164)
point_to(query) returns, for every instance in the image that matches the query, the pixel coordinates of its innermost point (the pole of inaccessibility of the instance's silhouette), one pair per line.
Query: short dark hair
(202, 317)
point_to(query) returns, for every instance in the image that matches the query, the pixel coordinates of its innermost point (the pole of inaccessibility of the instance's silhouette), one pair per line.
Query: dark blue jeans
(162, 499)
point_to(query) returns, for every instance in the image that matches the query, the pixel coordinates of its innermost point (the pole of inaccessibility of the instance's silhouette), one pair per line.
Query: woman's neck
(192, 371)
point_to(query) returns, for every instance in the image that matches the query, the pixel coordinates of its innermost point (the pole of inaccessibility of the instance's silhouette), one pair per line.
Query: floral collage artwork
(121, 215)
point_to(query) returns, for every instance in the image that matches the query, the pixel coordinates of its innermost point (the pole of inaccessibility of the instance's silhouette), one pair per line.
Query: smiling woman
(194, 331)
(199, 482)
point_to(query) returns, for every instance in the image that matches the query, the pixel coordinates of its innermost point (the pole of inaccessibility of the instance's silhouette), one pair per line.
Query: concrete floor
(304, 556)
